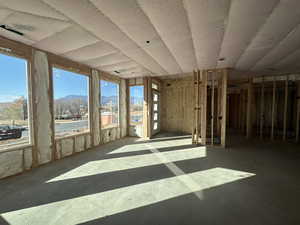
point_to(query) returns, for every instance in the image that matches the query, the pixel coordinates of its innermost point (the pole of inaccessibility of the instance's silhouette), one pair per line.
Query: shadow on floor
(269, 197)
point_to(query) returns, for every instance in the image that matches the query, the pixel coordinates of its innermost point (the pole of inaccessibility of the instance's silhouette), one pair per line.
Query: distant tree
(15, 111)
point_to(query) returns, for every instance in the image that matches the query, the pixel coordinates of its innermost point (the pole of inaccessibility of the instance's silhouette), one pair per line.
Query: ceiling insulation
(162, 37)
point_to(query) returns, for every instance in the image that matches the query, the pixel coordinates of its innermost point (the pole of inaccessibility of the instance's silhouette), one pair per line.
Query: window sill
(72, 135)
(110, 127)
(16, 148)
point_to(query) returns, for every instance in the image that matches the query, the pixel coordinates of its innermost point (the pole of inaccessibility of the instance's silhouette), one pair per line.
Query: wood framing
(298, 112)
(224, 107)
(273, 108)
(286, 93)
(262, 109)
(249, 108)
(212, 107)
(203, 106)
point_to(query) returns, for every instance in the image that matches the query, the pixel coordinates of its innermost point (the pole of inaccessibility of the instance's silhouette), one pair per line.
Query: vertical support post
(195, 108)
(42, 108)
(197, 105)
(224, 107)
(249, 104)
(285, 107)
(127, 105)
(212, 107)
(262, 108)
(146, 107)
(203, 107)
(298, 112)
(273, 108)
(95, 108)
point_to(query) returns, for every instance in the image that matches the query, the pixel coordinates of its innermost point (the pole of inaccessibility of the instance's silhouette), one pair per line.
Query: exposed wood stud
(249, 107)
(203, 107)
(273, 108)
(212, 107)
(262, 108)
(298, 112)
(286, 93)
(224, 107)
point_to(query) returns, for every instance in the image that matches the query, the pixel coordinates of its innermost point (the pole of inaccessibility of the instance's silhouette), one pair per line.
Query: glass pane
(155, 107)
(155, 125)
(155, 86)
(155, 117)
(155, 97)
(136, 104)
(109, 104)
(70, 102)
(14, 122)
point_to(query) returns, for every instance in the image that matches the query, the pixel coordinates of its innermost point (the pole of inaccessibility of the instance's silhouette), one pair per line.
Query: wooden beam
(146, 133)
(249, 111)
(212, 107)
(262, 108)
(286, 93)
(273, 108)
(203, 107)
(224, 107)
(298, 112)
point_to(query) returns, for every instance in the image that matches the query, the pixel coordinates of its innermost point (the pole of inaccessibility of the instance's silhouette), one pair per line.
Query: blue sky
(13, 78)
(137, 91)
(109, 88)
(13, 81)
(68, 83)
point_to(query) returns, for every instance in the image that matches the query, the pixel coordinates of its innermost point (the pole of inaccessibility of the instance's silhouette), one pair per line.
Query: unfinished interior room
(149, 112)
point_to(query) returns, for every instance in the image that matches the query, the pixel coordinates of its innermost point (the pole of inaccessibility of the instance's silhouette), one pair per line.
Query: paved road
(60, 128)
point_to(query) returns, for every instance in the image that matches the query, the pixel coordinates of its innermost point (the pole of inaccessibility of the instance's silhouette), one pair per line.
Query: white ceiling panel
(290, 61)
(177, 37)
(35, 7)
(69, 39)
(4, 13)
(88, 16)
(284, 18)
(120, 66)
(289, 45)
(107, 60)
(16, 37)
(244, 21)
(35, 27)
(129, 17)
(92, 51)
(207, 21)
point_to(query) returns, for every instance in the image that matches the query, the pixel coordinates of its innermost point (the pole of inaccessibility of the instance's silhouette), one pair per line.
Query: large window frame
(89, 94)
(132, 123)
(100, 102)
(27, 56)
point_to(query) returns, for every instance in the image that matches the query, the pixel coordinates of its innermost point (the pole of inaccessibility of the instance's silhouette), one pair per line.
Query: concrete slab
(161, 181)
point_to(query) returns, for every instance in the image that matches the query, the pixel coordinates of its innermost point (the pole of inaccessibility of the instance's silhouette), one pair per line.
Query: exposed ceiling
(132, 38)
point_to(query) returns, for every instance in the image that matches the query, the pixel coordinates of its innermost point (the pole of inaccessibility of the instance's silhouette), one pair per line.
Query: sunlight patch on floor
(96, 206)
(130, 162)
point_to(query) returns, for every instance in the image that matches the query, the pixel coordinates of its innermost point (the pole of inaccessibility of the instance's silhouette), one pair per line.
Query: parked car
(10, 132)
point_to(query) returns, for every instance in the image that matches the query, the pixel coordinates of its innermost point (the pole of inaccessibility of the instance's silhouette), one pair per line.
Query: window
(109, 104)
(154, 86)
(71, 109)
(14, 122)
(136, 104)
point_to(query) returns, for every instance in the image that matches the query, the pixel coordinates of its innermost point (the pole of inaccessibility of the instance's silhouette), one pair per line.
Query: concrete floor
(160, 182)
